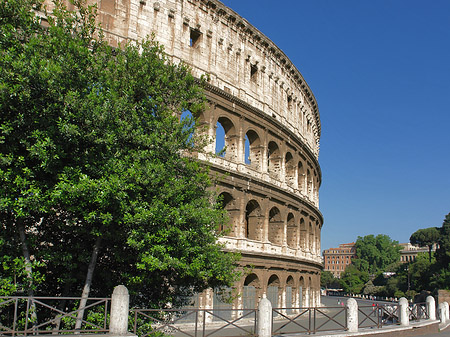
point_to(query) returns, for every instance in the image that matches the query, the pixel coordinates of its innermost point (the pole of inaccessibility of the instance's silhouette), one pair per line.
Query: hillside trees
(98, 186)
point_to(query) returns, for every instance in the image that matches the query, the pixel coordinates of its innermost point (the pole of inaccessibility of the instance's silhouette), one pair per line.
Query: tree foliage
(376, 253)
(95, 164)
(426, 237)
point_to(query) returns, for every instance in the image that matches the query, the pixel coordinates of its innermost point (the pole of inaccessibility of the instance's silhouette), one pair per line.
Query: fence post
(352, 315)
(447, 311)
(264, 317)
(431, 308)
(403, 314)
(442, 313)
(120, 302)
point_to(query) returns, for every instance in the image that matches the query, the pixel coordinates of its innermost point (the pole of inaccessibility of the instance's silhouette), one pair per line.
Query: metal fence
(309, 320)
(194, 322)
(22, 316)
(49, 315)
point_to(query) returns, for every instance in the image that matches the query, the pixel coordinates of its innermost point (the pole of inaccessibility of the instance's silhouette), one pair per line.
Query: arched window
(253, 221)
(275, 226)
(301, 177)
(274, 159)
(290, 169)
(292, 230)
(226, 146)
(226, 201)
(253, 149)
(250, 291)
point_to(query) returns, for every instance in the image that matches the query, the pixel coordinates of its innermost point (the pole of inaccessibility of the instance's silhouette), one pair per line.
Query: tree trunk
(87, 283)
(28, 268)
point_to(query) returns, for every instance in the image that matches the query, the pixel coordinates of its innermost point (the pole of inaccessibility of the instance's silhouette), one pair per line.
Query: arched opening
(301, 177)
(253, 221)
(275, 226)
(309, 181)
(290, 295)
(226, 202)
(273, 290)
(290, 169)
(250, 291)
(274, 159)
(303, 235)
(292, 230)
(311, 238)
(317, 238)
(253, 149)
(302, 292)
(226, 145)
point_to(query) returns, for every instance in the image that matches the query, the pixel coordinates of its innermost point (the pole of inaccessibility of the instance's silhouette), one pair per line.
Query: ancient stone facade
(271, 130)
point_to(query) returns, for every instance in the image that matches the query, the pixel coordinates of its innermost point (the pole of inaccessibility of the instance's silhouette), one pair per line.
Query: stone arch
(253, 149)
(227, 202)
(251, 287)
(290, 294)
(311, 238)
(290, 169)
(301, 177)
(253, 221)
(309, 183)
(274, 290)
(275, 226)
(292, 231)
(226, 138)
(273, 159)
(317, 237)
(303, 235)
(302, 292)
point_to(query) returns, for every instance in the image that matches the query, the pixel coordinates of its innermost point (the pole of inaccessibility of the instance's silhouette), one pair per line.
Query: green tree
(327, 280)
(376, 253)
(97, 171)
(443, 251)
(353, 279)
(426, 237)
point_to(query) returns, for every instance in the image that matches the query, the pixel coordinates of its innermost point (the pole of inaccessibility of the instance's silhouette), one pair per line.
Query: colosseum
(265, 114)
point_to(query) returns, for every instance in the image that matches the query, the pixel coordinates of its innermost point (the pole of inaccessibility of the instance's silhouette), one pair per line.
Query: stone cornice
(248, 31)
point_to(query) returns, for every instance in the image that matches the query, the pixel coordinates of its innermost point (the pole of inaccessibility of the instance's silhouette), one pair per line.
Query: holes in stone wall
(194, 38)
(274, 159)
(253, 72)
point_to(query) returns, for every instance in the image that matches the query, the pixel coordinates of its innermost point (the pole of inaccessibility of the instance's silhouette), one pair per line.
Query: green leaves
(91, 146)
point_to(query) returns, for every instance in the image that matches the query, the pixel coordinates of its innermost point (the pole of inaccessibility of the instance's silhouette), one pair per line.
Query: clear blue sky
(380, 71)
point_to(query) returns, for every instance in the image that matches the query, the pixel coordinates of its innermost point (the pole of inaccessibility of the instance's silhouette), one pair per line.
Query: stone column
(431, 307)
(403, 314)
(352, 315)
(442, 313)
(120, 302)
(264, 317)
(447, 311)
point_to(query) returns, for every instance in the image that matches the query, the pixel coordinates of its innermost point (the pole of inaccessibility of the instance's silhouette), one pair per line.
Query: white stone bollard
(404, 312)
(120, 302)
(352, 315)
(447, 311)
(442, 314)
(431, 308)
(264, 317)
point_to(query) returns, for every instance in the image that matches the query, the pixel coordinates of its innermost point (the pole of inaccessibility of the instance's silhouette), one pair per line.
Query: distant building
(337, 259)
(409, 252)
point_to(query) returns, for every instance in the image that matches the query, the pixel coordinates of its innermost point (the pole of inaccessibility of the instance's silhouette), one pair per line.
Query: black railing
(309, 320)
(194, 322)
(48, 315)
